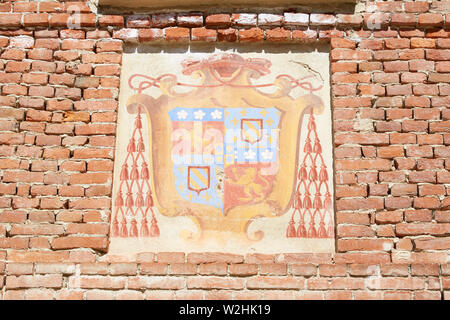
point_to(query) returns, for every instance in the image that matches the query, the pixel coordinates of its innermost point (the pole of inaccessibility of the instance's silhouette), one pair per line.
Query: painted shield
(251, 130)
(198, 178)
(219, 155)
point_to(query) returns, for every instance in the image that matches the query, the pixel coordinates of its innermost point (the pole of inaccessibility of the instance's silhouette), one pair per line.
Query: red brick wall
(390, 89)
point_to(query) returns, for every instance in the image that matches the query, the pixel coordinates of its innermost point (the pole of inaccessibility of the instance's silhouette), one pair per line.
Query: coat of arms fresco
(224, 152)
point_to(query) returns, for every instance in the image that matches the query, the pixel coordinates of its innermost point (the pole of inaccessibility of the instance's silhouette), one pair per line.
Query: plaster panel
(224, 150)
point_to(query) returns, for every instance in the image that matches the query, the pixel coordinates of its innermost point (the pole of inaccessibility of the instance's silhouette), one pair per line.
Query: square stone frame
(325, 41)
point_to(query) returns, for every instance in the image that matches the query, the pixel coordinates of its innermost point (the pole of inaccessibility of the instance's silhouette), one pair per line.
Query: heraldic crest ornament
(224, 151)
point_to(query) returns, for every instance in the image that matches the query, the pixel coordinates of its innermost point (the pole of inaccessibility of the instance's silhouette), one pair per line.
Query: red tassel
(119, 200)
(297, 201)
(149, 200)
(317, 201)
(330, 231)
(154, 230)
(133, 229)
(290, 232)
(140, 146)
(140, 200)
(311, 124)
(307, 148)
(115, 228)
(327, 202)
(322, 231)
(144, 172)
(134, 172)
(317, 147)
(301, 231)
(144, 228)
(302, 174)
(307, 202)
(312, 233)
(312, 174)
(323, 175)
(131, 147)
(124, 172)
(129, 201)
(138, 123)
(123, 229)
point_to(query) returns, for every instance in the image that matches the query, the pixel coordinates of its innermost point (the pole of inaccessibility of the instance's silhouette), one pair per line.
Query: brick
(423, 43)
(123, 269)
(218, 20)
(412, 101)
(409, 54)
(304, 35)
(421, 65)
(163, 20)
(365, 245)
(214, 258)
(364, 164)
(138, 21)
(397, 43)
(417, 6)
(177, 34)
(36, 20)
(190, 20)
(278, 34)
(251, 35)
(403, 19)
(204, 34)
(26, 281)
(376, 21)
(214, 268)
(404, 229)
(432, 244)
(80, 242)
(430, 20)
(243, 19)
(243, 269)
(349, 54)
(156, 282)
(10, 19)
(147, 35)
(303, 269)
(397, 283)
(96, 203)
(277, 269)
(275, 283)
(436, 54)
(329, 270)
(111, 20)
(427, 202)
(354, 20)
(352, 191)
(364, 258)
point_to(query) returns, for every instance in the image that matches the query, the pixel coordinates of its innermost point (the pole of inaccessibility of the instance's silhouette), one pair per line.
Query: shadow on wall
(228, 6)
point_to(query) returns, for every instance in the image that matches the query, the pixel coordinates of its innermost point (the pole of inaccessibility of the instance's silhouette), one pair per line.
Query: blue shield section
(250, 136)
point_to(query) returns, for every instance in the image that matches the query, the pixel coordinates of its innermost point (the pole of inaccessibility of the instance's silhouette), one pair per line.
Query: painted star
(267, 154)
(250, 154)
(182, 114)
(199, 114)
(216, 114)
